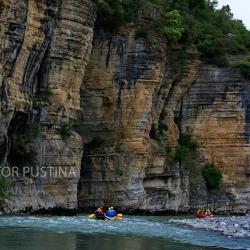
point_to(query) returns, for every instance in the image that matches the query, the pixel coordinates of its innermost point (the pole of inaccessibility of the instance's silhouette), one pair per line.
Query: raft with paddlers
(200, 214)
(118, 217)
(110, 214)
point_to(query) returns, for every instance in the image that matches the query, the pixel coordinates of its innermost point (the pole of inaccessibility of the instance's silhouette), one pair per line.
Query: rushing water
(131, 233)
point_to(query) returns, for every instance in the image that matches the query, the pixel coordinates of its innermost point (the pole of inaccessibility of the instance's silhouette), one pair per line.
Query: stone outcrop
(100, 100)
(123, 97)
(178, 97)
(45, 46)
(120, 83)
(216, 107)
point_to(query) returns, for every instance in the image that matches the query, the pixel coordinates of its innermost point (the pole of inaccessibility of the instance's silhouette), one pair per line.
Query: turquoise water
(131, 233)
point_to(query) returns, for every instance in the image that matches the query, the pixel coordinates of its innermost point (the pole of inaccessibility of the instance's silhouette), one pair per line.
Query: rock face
(97, 102)
(216, 107)
(45, 46)
(123, 81)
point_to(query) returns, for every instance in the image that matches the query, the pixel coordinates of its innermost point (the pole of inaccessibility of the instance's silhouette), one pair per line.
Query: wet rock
(230, 226)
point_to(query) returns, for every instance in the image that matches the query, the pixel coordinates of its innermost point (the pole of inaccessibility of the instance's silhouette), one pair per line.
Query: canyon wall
(216, 107)
(123, 81)
(45, 46)
(99, 100)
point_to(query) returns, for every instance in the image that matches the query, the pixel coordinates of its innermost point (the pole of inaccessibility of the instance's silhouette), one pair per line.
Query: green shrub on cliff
(5, 185)
(194, 184)
(162, 128)
(186, 139)
(158, 133)
(170, 25)
(244, 67)
(66, 129)
(111, 14)
(186, 151)
(212, 175)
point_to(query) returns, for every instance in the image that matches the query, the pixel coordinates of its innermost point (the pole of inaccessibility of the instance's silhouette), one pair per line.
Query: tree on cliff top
(190, 22)
(112, 13)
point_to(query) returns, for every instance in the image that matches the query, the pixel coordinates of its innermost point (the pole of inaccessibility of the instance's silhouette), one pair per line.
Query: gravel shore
(234, 226)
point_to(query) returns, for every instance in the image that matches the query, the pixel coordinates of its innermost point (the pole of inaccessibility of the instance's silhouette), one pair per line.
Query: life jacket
(111, 213)
(99, 214)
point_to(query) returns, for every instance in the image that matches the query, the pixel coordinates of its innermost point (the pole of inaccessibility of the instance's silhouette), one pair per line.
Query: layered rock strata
(122, 98)
(45, 46)
(216, 107)
(98, 102)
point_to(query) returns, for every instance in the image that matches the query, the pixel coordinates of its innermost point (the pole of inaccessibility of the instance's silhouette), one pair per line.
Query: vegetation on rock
(169, 25)
(66, 129)
(212, 175)
(162, 128)
(190, 22)
(5, 185)
(186, 151)
(112, 14)
(244, 67)
(193, 183)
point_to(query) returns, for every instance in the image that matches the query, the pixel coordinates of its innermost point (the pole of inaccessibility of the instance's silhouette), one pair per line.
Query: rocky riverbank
(234, 226)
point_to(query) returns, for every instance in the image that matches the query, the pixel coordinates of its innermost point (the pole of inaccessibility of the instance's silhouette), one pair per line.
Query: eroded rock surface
(216, 107)
(45, 46)
(100, 100)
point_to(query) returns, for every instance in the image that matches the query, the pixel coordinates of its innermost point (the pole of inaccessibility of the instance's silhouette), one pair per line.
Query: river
(131, 233)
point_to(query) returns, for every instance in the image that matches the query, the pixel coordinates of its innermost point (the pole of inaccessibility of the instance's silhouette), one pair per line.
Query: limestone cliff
(96, 99)
(216, 107)
(122, 81)
(45, 46)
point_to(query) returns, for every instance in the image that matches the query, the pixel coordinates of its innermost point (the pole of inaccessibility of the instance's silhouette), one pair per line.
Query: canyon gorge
(97, 101)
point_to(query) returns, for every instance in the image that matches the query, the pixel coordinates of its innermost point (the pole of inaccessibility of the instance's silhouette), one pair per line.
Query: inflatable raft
(201, 216)
(118, 217)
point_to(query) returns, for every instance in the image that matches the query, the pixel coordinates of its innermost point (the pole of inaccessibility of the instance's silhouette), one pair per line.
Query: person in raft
(99, 214)
(200, 213)
(209, 213)
(111, 213)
